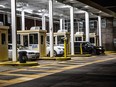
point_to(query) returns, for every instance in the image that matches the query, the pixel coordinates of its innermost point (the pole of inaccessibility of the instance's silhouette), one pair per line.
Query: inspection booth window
(48, 40)
(92, 40)
(78, 38)
(18, 38)
(33, 38)
(60, 39)
(3, 37)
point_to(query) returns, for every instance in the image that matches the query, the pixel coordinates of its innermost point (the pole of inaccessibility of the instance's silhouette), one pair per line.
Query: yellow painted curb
(80, 55)
(110, 52)
(10, 63)
(55, 58)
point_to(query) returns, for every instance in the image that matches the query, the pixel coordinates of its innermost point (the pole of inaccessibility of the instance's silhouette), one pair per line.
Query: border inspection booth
(3, 43)
(59, 39)
(34, 39)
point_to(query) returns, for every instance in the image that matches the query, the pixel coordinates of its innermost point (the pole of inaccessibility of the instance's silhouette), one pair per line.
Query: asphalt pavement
(95, 71)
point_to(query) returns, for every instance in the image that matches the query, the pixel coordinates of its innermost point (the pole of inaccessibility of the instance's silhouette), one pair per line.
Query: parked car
(58, 50)
(31, 54)
(87, 47)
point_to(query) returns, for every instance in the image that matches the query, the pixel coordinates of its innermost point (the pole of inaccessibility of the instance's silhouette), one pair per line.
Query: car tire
(97, 52)
(55, 54)
(48, 54)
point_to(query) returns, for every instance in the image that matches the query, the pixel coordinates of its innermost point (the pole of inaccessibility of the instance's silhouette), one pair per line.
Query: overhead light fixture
(100, 11)
(91, 13)
(39, 10)
(86, 6)
(56, 1)
(2, 6)
(21, 4)
(76, 8)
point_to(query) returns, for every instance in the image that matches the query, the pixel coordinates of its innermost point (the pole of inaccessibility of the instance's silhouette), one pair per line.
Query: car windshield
(88, 44)
(20, 47)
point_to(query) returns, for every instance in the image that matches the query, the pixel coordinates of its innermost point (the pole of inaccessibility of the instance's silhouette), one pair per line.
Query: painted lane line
(31, 77)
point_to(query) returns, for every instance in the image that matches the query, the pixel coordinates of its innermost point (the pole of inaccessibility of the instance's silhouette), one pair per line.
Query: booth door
(43, 45)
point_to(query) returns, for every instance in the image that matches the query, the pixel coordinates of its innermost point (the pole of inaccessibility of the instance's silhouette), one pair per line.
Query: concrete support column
(44, 22)
(23, 19)
(56, 40)
(14, 32)
(35, 22)
(61, 24)
(4, 22)
(78, 26)
(99, 29)
(51, 27)
(72, 29)
(87, 26)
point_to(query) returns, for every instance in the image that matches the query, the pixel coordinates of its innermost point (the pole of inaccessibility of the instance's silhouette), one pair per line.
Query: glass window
(25, 40)
(103, 23)
(3, 36)
(18, 38)
(33, 38)
(60, 39)
(9, 46)
(78, 38)
(92, 24)
(92, 40)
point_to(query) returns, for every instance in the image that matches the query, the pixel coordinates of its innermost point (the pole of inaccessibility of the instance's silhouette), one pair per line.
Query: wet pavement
(96, 71)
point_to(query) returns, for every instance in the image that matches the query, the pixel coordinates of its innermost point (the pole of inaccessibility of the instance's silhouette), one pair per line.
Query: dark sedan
(88, 48)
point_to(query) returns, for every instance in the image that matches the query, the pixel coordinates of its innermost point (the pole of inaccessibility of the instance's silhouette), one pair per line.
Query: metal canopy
(91, 6)
(108, 4)
(60, 7)
(37, 7)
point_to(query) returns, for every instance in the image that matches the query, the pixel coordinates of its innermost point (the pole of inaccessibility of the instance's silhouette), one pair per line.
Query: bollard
(81, 50)
(65, 51)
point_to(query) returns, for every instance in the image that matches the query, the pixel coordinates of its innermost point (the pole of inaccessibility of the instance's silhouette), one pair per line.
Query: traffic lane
(97, 75)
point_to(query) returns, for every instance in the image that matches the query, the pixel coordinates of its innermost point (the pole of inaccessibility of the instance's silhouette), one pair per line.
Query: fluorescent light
(2, 6)
(86, 6)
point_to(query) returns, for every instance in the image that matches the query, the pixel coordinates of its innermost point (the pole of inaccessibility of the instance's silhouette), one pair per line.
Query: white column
(23, 19)
(35, 22)
(99, 29)
(43, 22)
(4, 19)
(14, 39)
(56, 40)
(72, 29)
(78, 26)
(87, 26)
(51, 27)
(61, 24)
